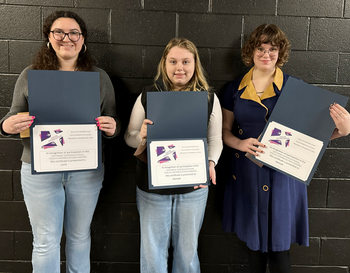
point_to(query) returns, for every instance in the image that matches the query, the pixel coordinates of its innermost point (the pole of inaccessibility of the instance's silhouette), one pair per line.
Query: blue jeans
(177, 218)
(56, 200)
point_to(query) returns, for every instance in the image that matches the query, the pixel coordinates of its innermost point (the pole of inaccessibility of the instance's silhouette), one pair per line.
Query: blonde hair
(198, 81)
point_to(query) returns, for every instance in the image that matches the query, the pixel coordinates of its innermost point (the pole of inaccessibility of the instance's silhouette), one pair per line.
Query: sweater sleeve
(19, 100)
(132, 135)
(107, 99)
(214, 132)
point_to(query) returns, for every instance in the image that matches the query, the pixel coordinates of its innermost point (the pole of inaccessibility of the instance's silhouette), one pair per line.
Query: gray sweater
(20, 104)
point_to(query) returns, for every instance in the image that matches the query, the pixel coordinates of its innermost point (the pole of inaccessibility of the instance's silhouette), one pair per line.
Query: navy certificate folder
(64, 97)
(177, 116)
(305, 108)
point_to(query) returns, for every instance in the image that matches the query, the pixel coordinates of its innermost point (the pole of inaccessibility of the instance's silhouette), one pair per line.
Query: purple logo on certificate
(160, 150)
(45, 135)
(276, 132)
(51, 139)
(166, 154)
(49, 145)
(279, 138)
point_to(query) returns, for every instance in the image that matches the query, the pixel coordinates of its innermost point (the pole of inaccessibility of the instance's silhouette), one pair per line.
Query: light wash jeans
(58, 199)
(177, 218)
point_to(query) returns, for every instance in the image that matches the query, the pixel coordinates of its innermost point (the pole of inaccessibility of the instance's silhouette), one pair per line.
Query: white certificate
(179, 162)
(64, 147)
(289, 150)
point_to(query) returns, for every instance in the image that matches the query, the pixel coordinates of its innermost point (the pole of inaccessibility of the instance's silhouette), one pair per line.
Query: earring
(85, 48)
(48, 45)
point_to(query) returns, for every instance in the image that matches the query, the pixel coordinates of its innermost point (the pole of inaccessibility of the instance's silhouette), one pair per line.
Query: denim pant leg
(82, 190)
(155, 224)
(44, 199)
(188, 215)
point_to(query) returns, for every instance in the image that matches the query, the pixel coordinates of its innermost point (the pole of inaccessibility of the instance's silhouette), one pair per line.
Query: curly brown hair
(265, 34)
(46, 58)
(198, 80)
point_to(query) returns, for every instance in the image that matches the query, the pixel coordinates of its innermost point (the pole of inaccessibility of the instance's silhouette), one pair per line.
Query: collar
(250, 93)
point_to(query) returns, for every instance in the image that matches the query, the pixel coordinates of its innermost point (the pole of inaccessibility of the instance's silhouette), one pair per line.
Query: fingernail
(98, 124)
(96, 118)
(33, 117)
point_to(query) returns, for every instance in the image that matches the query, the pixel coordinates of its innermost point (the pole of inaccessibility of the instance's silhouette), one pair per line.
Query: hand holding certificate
(64, 147)
(289, 150)
(64, 136)
(177, 148)
(299, 129)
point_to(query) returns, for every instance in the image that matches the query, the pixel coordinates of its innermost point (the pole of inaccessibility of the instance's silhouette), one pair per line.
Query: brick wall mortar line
(333, 238)
(143, 57)
(210, 61)
(308, 33)
(12, 186)
(327, 193)
(242, 31)
(177, 24)
(109, 27)
(329, 209)
(276, 8)
(338, 67)
(8, 54)
(333, 85)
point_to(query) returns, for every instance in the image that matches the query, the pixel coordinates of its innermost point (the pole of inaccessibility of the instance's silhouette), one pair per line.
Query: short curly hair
(265, 34)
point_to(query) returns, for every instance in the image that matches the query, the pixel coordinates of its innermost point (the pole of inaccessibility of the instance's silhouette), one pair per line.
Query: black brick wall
(127, 38)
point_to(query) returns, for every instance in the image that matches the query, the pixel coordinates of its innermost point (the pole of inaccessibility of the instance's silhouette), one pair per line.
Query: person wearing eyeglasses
(67, 199)
(266, 209)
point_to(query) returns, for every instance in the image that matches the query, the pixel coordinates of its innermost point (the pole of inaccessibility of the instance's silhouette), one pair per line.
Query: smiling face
(265, 57)
(180, 65)
(66, 50)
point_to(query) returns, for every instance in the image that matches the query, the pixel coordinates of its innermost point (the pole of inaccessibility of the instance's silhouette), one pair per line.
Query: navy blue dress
(266, 209)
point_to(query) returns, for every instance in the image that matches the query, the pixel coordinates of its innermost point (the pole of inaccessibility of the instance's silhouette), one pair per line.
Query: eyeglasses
(59, 35)
(260, 51)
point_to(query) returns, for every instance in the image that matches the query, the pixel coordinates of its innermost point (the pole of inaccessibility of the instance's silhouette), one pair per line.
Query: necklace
(260, 92)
